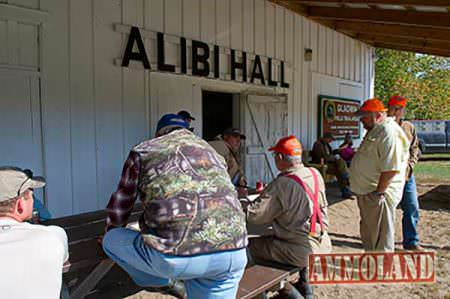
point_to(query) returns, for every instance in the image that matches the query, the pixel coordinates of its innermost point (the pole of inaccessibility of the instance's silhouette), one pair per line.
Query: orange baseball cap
(397, 101)
(372, 105)
(288, 146)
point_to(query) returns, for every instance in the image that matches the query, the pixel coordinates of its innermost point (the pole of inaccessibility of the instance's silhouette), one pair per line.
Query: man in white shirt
(31, 256)
(377, 175)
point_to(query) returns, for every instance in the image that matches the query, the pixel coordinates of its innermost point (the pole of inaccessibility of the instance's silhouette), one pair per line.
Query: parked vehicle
(434, 135)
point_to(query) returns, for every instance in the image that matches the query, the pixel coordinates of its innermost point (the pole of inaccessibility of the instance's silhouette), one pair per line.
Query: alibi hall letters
(204, 61)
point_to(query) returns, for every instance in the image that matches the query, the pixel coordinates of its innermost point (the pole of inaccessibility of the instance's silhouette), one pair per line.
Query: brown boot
(303, 286)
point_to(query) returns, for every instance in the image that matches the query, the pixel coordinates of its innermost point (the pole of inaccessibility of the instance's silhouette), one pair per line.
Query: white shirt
(31, 260)
(384, 148)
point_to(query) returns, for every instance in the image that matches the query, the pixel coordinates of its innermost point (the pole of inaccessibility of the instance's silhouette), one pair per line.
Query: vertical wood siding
(93, 111)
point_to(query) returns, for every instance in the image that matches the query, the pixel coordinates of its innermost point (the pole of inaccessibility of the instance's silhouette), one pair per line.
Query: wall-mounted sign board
(337, 116)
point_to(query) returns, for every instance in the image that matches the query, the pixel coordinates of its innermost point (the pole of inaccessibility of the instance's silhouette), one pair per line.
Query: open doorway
(219, 112)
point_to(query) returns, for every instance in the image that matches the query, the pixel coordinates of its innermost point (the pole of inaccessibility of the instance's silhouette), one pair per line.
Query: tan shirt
(414, 151)
(233, 161)
(286, 206)
(384, 148)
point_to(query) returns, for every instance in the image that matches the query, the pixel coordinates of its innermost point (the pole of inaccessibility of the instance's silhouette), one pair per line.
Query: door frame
(239, 88)
(39, 18)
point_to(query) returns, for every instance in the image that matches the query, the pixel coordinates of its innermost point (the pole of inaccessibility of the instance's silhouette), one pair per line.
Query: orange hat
(397, 101)
(372, 105)
(288, 146)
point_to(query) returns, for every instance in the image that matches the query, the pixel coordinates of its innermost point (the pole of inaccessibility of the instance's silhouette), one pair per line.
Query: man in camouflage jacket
(192, 228)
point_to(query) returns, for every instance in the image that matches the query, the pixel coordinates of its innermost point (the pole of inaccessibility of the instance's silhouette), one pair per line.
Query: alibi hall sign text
(160, 52)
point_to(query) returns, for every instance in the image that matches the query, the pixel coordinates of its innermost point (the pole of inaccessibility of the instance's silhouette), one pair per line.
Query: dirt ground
(434, 230)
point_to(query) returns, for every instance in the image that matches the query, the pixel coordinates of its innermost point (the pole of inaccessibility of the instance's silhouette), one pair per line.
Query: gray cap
(186, 115)
(14, 181)
(233, 132)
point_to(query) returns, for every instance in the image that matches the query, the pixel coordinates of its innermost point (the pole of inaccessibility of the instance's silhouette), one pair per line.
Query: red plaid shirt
(122, 201)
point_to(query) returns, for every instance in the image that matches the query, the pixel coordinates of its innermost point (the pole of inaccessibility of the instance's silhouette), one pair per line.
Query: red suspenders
(316, 213)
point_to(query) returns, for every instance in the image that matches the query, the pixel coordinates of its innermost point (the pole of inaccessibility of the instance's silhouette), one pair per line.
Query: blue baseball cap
(171, 121)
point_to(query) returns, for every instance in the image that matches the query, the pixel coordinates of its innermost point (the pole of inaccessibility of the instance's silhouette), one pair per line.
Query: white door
(20, 123)
(265, 121)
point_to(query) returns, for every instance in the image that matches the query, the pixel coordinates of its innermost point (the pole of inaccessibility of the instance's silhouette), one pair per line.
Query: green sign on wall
(337, 116)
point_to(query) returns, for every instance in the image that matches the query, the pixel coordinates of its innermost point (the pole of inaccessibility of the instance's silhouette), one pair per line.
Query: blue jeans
(410, 207)
(208, 276)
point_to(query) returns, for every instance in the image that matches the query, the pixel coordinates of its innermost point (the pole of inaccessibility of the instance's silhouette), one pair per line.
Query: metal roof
(421, 26)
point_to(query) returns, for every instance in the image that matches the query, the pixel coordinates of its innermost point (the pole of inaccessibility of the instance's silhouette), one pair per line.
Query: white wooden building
(71, 112)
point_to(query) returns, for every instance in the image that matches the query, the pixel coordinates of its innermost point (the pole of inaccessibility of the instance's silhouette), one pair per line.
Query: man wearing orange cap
(377, 175)
(295, 205)
(409, 203)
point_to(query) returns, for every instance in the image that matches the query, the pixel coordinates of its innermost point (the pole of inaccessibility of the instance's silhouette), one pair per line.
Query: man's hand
(384, 180)
(244, 205)
(377, 195)
(100, 240)
(409, 172)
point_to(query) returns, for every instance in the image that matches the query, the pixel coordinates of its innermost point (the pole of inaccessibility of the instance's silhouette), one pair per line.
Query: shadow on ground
(333, 193)
(116, 284)
(435, 199)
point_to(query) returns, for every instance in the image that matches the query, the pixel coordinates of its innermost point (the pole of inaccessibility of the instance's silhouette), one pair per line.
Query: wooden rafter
(412, 49)
(440, 3)
(403, 41)
(410, 7)
(431, 19)
(390, 30)
(409, 29)
(295, 7)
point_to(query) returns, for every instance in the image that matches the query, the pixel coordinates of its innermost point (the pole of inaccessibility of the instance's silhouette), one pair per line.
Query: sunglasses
(29, 175)
(275, 154)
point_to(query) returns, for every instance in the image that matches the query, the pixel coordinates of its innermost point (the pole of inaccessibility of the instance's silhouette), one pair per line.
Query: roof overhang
(421, 26)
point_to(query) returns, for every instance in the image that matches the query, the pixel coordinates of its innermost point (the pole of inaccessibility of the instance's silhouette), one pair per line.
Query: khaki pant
(339, 169)
(270, 249)
(377, 223)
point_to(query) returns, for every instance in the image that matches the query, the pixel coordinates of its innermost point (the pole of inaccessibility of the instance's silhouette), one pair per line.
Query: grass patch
(436, 156)
(433, 171)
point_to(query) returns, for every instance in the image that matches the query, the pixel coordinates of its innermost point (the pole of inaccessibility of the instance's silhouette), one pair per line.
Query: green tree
(424, 79)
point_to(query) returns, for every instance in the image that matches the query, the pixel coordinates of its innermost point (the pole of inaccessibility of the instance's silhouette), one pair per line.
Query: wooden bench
(257, 280)
(88, 264)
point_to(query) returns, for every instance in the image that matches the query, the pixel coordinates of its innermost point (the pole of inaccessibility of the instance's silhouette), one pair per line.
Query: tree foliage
(424, 79)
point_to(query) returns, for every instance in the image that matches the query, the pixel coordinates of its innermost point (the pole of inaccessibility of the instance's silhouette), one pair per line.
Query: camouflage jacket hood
(190, 204)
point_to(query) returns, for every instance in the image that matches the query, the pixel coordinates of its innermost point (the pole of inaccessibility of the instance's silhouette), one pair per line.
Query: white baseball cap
(14, 181)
